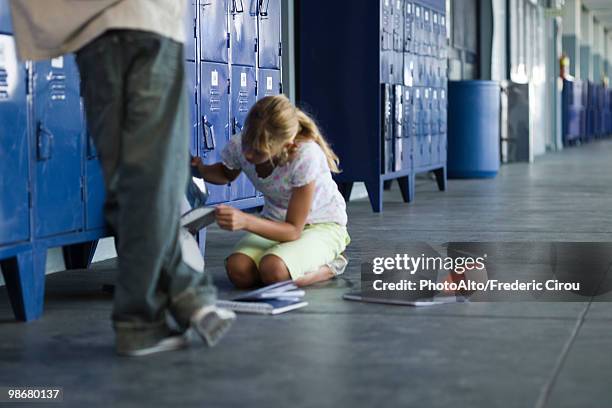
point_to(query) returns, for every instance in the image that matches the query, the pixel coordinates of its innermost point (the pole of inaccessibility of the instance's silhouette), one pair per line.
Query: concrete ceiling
(602, 9)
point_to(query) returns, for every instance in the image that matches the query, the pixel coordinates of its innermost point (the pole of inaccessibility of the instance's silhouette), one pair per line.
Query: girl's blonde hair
(274, 121)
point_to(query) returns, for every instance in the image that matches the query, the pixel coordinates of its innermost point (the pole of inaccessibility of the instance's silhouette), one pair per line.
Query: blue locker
(442, 41)
(214, 126)
(410, 70)
(387, 128)
(58, 134)
(408, 121)
(427, 31)
(270, 47)
(243, 31)
(243, 86)
(191, 30)
(443, 113)
(426, 126)
(408, 27)
(418, 29)
(214, 34)
(194, 103)
(14, 163)
(398, 25)
(386, 25)
(6, 26)
(398, 127)
(269, 83)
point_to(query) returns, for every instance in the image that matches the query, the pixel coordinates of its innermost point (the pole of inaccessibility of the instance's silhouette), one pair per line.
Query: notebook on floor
(420, 302)
(273, 299)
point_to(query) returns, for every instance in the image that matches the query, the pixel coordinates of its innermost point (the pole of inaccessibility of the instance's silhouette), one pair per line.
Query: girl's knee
(241, 271)
(272, 269)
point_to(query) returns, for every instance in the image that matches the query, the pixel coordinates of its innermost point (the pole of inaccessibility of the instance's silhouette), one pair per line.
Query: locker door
(269, 83)
(191, 25)
(269, 34)
(243, 97)
(6, 26)
(243, 32)
(194, 103)
(214, 35)
(418, 29)
(435, 35)
(410, 70)
(214, 120)
(408, 129)
(58, 134)
(14, 174)
(442, 118)
(427, 31)
(386, 25)
(398, 126)
(408, 27)
(426, 126)
(398, 25)
(417, 142)
(442, 47)
(387, 128)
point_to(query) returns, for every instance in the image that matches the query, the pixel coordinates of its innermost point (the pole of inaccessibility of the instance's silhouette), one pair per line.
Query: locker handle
(262, 12)
(209, 135)
(235, 8)
(44, 143)
(236, 127)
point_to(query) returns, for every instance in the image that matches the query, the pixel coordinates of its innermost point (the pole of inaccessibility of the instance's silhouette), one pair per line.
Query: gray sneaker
(338, 265)
(212, 323)
(127, 347)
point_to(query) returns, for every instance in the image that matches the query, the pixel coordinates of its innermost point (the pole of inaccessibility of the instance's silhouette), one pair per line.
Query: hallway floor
(336, 353)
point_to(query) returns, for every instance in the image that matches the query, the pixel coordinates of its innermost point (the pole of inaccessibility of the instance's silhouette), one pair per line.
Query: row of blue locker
(586, 111)
(414, 28)
(240, 32)
(586, 94)
(414, 127)
(413, 70)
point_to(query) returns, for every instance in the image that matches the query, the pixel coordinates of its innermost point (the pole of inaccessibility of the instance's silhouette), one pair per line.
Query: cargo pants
(133, 85)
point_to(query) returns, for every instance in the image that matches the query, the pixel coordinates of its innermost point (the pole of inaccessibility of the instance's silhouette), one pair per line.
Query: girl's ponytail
(310, 131)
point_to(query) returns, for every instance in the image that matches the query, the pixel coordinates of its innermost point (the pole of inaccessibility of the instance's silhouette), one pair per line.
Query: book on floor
(273, 299)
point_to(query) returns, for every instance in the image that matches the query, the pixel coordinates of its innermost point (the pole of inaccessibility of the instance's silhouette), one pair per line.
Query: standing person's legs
(135, 99)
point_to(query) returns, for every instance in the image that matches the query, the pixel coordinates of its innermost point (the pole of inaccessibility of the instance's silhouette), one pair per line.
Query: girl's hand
(197, 163)
(230, 218)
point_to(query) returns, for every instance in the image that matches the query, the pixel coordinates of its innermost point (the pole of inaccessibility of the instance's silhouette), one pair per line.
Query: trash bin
(473, 129)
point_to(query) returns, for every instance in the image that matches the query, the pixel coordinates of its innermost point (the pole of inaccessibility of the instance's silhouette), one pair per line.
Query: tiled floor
(336, 353)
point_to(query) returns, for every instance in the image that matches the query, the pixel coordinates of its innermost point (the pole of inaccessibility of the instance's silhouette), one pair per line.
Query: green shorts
(318, 245)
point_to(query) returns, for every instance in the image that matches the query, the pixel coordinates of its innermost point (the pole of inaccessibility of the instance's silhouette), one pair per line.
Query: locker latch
(44, 143)
(208, 136)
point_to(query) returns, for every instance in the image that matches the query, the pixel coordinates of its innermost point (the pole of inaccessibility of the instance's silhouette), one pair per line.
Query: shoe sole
(169, 344)
(212, 323)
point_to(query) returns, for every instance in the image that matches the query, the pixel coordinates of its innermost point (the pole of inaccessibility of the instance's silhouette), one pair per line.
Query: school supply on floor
(273, 299)
(421, 302)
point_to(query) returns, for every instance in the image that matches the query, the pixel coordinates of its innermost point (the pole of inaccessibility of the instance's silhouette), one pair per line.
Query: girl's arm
(215, 173)
(291, 229)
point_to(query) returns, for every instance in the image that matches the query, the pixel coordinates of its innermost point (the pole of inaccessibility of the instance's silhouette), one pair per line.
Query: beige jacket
(49, 28)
